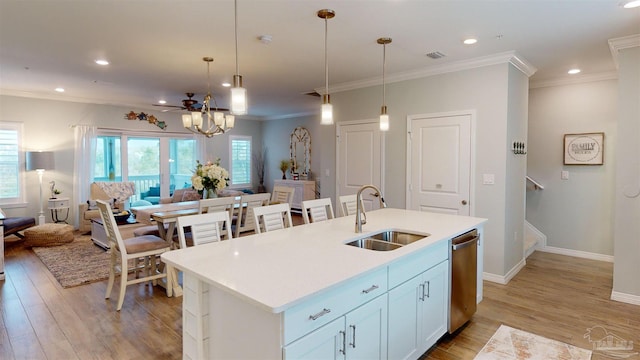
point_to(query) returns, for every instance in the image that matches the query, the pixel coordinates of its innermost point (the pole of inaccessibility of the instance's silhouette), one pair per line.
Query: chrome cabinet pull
(324, 311)
(353, 341)
(428, 288)
(421, 295)
(373, 287)
(344, 342)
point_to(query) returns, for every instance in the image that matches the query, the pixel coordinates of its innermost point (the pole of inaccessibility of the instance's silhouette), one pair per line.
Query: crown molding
(501, 58)
(625, 42)
(581, 79)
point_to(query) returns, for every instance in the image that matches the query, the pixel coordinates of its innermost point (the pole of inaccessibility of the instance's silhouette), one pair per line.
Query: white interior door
(439, 163)
(359, 159)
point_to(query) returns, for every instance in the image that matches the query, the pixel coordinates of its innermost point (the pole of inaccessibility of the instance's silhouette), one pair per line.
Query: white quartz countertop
(279, 269)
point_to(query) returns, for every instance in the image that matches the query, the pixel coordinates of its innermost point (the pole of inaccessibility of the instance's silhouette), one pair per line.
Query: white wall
(574, 214)
(484, 90)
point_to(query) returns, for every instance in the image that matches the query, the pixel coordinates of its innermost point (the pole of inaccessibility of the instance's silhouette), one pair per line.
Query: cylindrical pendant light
(327, 108)
(384, 118)
(238, 93)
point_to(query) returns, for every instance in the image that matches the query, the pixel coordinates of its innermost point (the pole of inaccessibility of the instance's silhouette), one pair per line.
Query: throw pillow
(94, 206)
(190, 195)
(154, 191)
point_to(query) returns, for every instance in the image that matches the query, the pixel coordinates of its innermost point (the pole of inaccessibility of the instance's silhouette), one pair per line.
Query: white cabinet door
(360, 334)
(325, 343)
(404, 313)
(367, 331)
(434, 302)
(418, 313)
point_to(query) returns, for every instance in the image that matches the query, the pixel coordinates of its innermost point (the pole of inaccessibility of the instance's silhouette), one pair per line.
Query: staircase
(533, 239)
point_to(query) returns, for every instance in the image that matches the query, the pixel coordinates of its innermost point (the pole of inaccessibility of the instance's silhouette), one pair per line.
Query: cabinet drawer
(308, 316)
(412, 265)
(58, 203)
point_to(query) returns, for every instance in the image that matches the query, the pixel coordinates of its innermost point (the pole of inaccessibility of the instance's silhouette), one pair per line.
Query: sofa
(118, 195)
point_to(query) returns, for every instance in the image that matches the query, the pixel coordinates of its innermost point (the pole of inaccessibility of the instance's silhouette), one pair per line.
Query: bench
(14, 225)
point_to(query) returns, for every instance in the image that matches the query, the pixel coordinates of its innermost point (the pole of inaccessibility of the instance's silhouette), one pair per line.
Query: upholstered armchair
(117, 192)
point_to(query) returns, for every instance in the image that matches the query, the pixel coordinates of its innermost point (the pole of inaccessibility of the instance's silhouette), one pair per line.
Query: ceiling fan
(190, 104)
(187, 104)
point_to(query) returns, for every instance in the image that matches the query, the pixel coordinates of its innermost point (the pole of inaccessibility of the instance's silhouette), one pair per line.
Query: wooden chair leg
(112, 275)
(124, 277)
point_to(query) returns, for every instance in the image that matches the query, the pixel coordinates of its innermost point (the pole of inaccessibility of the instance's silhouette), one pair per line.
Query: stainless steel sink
(387, 240)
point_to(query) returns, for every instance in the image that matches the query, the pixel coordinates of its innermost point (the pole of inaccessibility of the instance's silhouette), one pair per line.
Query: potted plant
(258, 162)
(284, 166)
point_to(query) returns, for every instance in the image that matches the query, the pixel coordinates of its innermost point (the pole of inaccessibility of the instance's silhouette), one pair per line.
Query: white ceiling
(156, 47)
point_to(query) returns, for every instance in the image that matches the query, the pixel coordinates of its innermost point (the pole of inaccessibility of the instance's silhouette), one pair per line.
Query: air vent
(436, 55)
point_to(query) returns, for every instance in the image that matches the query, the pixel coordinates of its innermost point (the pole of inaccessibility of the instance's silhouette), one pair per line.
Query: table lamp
(40, 161)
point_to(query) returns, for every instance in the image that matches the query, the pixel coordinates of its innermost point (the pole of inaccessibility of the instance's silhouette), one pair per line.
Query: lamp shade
(40, 160)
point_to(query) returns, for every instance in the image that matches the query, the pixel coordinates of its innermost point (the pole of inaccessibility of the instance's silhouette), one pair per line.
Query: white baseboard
(577, 253)
(625, 298)
(504, 279)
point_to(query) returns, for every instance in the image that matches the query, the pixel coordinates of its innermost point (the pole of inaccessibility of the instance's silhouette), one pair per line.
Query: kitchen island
(293, 293)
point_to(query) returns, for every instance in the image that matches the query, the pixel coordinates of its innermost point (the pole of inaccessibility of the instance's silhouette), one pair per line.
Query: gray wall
(577, 213)
(277, 133)
(627, 208)
(47, 126)
(488, 91)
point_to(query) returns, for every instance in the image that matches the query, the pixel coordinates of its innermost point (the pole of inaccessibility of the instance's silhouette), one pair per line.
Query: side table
(59, 205)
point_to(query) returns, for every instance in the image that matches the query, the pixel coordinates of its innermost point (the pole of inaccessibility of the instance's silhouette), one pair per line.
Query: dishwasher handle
(464, 244)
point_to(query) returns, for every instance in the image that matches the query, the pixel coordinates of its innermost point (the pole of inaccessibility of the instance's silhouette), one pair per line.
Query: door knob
(464, 202)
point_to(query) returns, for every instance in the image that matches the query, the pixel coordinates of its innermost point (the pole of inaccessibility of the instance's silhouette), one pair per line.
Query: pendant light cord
(384, 62)
(326, 60)
(235, 23)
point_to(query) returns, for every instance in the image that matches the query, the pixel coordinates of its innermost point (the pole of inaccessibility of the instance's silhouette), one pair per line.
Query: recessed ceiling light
(162, 101)
(102, 62)
(631, 4)
(574, 71)
(226, 84)
(470, 41)
(59, 89)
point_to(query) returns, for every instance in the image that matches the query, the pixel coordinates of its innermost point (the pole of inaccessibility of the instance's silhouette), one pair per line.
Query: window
(156, 165)
(10, 160)
(240, 153)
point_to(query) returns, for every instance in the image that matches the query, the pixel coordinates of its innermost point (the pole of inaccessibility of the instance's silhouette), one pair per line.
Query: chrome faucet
(360, 211)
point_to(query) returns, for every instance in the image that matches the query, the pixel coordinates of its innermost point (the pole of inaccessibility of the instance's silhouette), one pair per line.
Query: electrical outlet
(564, 175)
(488, 179)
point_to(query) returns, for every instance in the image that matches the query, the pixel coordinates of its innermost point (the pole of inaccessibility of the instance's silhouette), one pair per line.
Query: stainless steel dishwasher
(464, 250)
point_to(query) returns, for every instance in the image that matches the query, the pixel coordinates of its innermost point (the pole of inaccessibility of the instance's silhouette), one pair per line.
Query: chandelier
(209, 121)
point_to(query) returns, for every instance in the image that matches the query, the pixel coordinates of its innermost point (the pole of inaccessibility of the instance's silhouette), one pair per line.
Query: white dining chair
(348, 204)
(205, 228)
(317, 210)
(248, 203)
(282, 194)
(147, 248)
(274, 217)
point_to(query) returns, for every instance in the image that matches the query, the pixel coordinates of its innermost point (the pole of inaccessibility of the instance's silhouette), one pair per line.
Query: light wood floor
(555, 296)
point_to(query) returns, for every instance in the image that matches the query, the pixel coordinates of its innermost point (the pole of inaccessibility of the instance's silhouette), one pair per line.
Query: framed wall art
(584, 149)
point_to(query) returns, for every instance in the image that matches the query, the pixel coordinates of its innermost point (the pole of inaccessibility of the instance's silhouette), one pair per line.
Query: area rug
(79, 262)
(512, 344)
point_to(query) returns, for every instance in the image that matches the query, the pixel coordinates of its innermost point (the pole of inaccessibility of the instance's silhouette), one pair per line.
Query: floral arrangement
(209, 176)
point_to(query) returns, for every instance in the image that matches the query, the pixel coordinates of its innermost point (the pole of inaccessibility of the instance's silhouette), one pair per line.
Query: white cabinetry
(360, 334)
(304, 190)
(418, 313)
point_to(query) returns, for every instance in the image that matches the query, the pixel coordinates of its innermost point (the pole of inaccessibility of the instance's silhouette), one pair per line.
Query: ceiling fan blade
(171, 106)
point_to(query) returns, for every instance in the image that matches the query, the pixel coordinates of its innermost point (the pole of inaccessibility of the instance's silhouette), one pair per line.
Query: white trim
(504, 280)
(580, 79)
(576, 253)
(625, 42)
(501, 58)
(625, 298)
(541, 239)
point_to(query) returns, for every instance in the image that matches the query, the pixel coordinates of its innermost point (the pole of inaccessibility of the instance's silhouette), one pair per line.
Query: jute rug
(79, 262)
(512, 344)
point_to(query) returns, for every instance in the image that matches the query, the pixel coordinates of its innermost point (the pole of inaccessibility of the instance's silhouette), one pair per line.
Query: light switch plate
(488, 179)
(564, 175)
